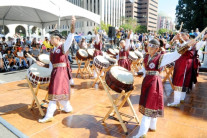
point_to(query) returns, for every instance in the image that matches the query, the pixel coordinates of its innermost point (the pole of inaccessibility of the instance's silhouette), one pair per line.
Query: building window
(153, 5)
(153, 10)
(154, 1)
(152, 14)
(152, 18)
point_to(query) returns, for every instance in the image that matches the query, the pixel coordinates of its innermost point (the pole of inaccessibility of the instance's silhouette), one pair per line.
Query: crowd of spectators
(13, 52)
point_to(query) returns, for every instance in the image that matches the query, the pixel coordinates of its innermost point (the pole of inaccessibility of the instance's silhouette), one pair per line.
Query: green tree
(141, 29)
(162, 31)
(129, 24)
(104, 26)
(192, 13)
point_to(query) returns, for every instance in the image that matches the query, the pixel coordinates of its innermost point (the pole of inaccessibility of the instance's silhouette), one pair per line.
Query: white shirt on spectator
(20, 54)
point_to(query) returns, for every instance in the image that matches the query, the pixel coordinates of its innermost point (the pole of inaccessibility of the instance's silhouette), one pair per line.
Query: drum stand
(86, 69)
(136, 65)
(117, 104)
(34, 94)
(99, 73)
(169, 74)
(35, 101)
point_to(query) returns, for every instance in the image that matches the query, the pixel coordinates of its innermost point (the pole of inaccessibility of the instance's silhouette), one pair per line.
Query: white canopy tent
(41, 13)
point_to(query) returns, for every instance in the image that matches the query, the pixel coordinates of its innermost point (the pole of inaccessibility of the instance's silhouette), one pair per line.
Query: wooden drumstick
(181, 26)
(31, 57)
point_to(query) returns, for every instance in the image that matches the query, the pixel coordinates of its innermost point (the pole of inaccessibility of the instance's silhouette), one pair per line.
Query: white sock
(66, 105)
(50, 109)
(71, 81)
(183, 94)
(153, 123)
(177, 96)
(144, 126)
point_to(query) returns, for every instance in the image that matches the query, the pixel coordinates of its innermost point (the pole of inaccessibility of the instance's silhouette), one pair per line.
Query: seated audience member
(15, 54)
(1, 62)
(35, 53)
(21, 57)
(26, 56)
(10, 57)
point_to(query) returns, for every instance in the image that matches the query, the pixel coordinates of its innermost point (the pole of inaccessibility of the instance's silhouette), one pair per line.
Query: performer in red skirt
(98, 47)
(184, 75)
(59, 87)
(124, 53)
(151, 103)
(98, 44)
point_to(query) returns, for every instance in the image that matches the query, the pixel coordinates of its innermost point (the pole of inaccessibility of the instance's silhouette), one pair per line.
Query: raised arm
(97, 37)
(128, 41)
(70, 37)
(171, 57)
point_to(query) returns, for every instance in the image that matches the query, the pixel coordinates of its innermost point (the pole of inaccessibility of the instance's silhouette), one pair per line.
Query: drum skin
(111, 52)
(90, 55)
(116, 85)
(81, 57)
(132, 56)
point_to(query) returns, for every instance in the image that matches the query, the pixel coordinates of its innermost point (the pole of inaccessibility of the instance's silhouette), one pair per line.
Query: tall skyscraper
(145, 11)
(111, 12)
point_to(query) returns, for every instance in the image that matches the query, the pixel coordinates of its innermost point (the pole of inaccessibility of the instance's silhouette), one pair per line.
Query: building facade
(111, 12)
(165, 22)
(145, 11)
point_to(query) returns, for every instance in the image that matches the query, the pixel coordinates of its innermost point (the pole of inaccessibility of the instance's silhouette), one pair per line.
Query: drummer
(124, 53)
(59, 87)
(98, 47)
(151, 102)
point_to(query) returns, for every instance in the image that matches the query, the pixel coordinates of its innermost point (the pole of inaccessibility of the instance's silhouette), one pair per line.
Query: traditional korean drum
(38, 74)
(44, 58)
(112, 61)
(90, 53)
(111, 52)
(82, 54)
(116, 51)
(170, 65)
(132, 56)
(100, 62)
(119, 78)
(139, 54)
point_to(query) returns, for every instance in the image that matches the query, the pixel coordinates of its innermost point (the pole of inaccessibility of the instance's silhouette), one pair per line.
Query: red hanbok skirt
(151, 101)
(125, 63)
(59, 87)
(97, 52)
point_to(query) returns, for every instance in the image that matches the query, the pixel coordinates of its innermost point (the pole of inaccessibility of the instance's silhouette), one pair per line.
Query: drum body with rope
(119, 78)
(116, 51)
(82, 54)
(38, 74)
(100, 62)
(112, 61)
(132, 56)
(90, 53)
(139, 54)
(111, 52)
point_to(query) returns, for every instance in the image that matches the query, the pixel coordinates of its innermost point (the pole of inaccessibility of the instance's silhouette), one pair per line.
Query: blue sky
(168, 7)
